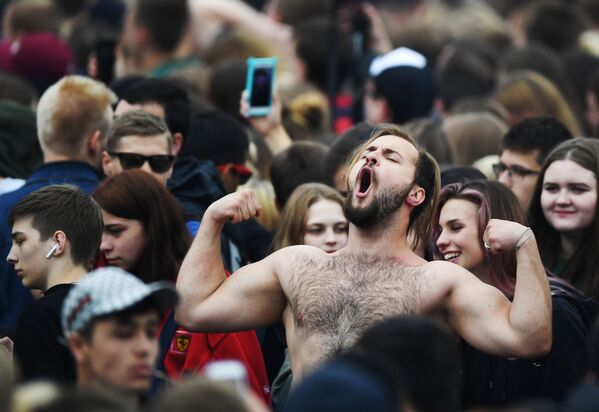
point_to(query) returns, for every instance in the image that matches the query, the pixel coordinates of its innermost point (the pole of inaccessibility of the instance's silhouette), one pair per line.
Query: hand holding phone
(260, 85)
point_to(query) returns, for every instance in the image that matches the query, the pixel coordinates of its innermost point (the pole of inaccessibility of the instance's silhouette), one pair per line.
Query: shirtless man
(327, 300)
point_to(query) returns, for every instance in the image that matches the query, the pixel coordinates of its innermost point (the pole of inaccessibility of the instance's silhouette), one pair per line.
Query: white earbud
(52, 250)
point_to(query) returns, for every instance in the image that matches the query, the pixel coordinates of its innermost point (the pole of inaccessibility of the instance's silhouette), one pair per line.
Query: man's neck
(54, 157)
(154, 59)
(387, 239)
(65, 273)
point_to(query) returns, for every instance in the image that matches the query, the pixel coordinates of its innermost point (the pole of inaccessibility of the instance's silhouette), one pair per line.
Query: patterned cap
(111, 290)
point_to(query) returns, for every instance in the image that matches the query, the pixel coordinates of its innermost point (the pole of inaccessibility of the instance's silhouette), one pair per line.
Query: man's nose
(144, 343)
(11, 257)
(146, 167)
(505, 178)
(371, 157)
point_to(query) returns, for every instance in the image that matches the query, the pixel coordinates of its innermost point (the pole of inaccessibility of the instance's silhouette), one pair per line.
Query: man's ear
(224, 170)
(416, 196)
(93, 145)
(106, 163)
(60, 238)
(78, 347)
(177, 144)
(142, 35)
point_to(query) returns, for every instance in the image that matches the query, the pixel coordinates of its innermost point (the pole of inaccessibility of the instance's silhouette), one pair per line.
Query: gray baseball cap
(111, 290)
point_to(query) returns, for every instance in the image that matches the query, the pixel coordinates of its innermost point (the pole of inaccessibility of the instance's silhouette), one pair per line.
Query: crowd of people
(412, 224)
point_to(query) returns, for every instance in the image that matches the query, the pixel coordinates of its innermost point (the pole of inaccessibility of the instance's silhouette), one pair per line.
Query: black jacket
(196, 184)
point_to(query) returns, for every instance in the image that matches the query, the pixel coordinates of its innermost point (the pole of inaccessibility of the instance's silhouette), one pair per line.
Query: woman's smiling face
(569, 196)
(459, 240)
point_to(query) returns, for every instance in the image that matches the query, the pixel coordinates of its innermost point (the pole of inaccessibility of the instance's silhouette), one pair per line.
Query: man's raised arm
(487, 319)
(211, 302)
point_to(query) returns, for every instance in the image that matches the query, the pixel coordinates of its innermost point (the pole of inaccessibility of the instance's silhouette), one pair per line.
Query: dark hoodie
(196, 184)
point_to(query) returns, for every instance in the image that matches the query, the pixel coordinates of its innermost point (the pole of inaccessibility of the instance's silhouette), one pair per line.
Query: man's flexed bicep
(485, 318)
(212, 301)
(249, 298)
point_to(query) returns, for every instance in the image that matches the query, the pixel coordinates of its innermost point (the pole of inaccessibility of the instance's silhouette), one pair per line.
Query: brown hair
(475, 135)
(135, 194)
(136, 123)
(427, 176)
(31, 16)
(66, 208)
(582, 268)
(493, 201)
(525, 91)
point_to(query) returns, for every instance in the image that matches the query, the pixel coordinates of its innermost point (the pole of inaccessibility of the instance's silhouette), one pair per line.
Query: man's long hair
(426, 175)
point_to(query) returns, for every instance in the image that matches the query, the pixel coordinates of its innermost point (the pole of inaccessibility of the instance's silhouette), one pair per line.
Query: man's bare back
(332, 299)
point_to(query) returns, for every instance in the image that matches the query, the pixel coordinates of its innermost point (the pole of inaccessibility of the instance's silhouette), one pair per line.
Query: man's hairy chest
(338, 297)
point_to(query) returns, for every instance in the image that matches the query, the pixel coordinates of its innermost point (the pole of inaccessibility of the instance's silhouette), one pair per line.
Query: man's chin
(362, 216)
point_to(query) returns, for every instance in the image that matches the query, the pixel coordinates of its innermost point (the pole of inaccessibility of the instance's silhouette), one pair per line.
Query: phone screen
(261, 87)
(259, 84)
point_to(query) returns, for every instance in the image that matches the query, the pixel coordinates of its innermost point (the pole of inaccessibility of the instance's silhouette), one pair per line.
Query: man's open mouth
(364, 181)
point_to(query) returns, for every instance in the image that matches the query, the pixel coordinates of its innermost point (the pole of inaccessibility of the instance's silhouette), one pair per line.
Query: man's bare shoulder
(445, 269)
(291, 253)
(287, 258)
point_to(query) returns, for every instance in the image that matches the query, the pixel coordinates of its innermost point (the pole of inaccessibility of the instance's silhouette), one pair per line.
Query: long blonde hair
(527, 91)
(293, 220)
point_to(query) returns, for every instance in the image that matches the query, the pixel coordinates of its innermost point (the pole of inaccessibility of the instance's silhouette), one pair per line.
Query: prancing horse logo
(182, 343)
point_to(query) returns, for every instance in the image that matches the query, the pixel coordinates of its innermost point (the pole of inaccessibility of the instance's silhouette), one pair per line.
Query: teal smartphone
(260, 82)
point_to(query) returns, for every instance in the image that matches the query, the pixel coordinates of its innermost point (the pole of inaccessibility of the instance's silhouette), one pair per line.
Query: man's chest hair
(346, 294)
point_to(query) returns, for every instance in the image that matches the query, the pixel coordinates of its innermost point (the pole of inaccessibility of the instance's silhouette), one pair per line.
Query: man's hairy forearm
(202, 270)
(530, 313)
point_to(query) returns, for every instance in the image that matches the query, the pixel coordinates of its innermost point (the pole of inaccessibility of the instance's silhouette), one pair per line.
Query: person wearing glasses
(138, 140)
(523, 150)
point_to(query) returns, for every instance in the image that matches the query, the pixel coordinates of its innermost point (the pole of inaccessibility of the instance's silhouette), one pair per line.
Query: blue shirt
(13, 296)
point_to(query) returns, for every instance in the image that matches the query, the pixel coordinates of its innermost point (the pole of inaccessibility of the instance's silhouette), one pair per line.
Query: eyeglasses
(158, 163)
(513, 171)
(240, 170)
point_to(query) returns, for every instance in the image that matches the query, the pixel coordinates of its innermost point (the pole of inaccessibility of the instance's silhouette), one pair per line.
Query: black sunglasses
(158, 163)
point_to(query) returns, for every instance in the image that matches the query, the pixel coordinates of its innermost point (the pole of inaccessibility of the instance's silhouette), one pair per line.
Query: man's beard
(383, 205)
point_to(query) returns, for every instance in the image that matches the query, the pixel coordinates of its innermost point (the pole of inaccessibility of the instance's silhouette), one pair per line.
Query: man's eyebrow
(386, 150)
(392, 151)
(14, 235)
